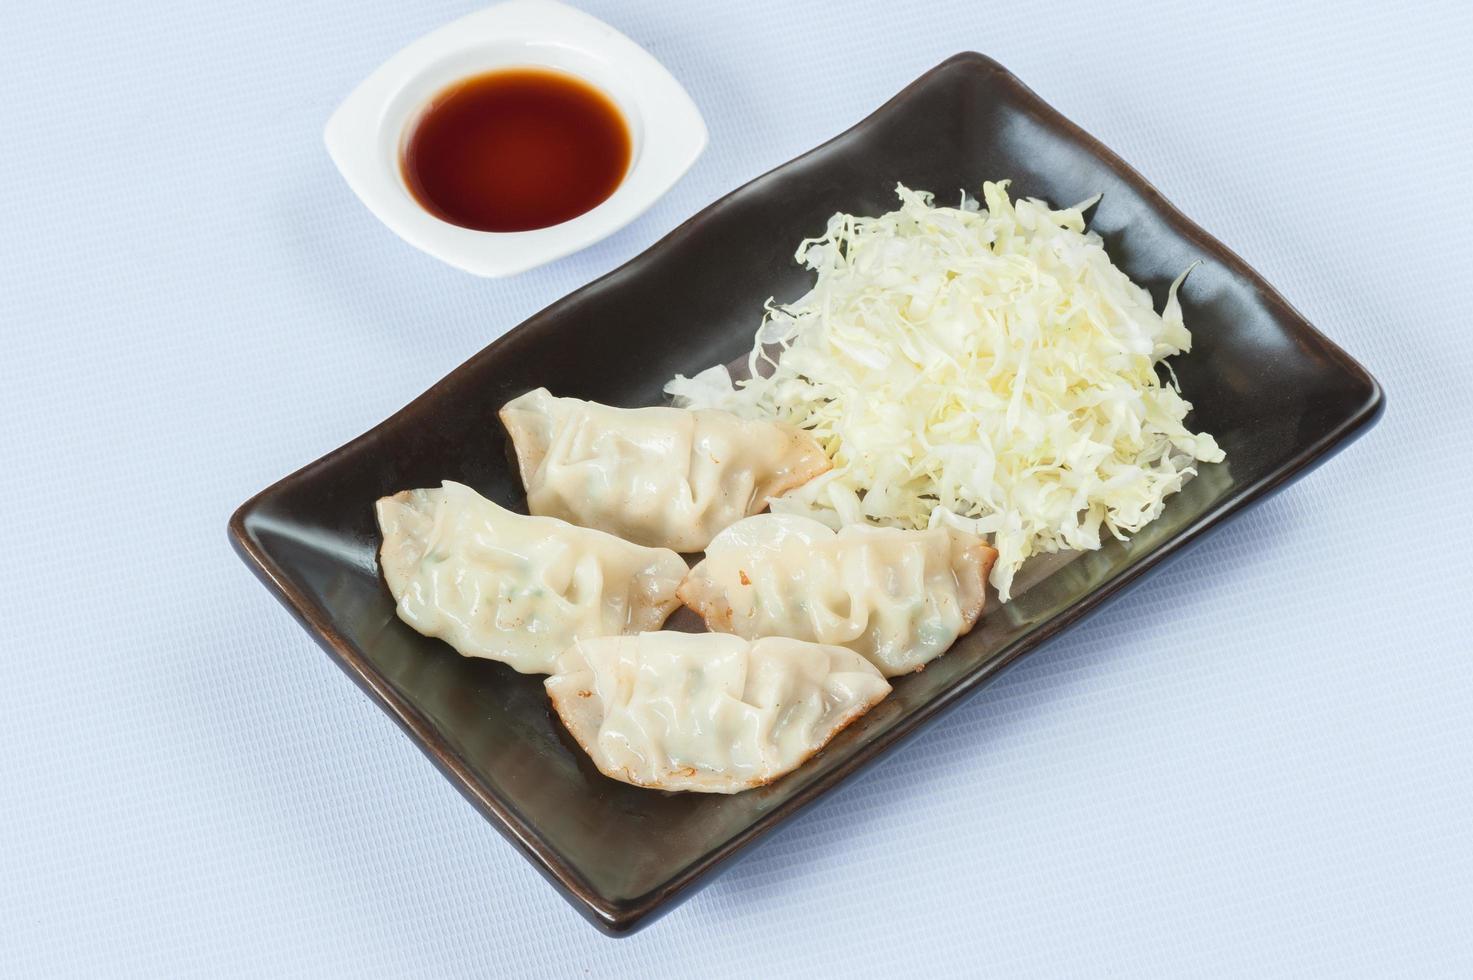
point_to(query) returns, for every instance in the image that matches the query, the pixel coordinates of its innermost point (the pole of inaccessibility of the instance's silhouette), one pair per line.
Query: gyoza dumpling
(663, 477)
(899, 597)
(707, 712)
(513, 588)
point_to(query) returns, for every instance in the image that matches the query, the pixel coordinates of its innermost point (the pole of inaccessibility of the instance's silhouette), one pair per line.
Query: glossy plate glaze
(1279, 397)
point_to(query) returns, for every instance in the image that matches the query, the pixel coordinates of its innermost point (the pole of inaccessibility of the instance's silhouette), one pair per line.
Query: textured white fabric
(1258, 763)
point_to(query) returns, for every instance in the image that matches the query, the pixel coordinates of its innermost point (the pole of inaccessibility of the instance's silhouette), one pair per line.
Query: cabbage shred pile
(985, 366)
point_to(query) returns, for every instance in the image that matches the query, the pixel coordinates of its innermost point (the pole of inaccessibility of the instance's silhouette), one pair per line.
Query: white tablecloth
(1260, 762)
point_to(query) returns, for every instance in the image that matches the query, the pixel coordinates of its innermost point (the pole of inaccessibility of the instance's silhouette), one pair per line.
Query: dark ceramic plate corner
(1278, 395)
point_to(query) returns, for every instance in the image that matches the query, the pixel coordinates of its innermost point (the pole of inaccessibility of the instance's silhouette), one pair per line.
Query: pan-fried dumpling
(513, 588)
(707, 712)
(663, 477)
(899, 597)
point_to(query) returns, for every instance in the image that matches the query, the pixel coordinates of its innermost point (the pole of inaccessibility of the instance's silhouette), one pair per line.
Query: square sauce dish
(555, 62)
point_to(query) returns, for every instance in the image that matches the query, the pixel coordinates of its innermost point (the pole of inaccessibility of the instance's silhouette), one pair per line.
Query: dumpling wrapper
(899, 597)
(663, 477)
(707, 712)
(518, 589)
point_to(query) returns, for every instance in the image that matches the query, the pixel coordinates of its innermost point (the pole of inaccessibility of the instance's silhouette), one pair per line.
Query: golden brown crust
(809, 461)
(706, 599)
(659, 612)
(984, 555)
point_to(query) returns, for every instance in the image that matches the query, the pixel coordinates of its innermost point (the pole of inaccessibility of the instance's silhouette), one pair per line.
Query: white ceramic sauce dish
(367, 133)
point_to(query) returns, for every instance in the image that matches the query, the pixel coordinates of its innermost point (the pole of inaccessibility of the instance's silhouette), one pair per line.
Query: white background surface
(1258, 763)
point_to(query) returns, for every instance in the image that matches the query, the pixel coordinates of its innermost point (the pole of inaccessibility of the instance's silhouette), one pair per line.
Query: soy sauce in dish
(516, 149)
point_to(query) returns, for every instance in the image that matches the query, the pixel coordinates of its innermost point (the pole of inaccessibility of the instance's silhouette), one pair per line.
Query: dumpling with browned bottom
(504, 586)
(899, 597)
(707, 712)
(663, 477)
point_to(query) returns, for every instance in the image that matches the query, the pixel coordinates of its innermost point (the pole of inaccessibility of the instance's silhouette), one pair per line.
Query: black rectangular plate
(1279, 397)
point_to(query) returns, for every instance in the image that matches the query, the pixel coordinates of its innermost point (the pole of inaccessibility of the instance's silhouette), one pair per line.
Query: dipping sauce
(516, 149)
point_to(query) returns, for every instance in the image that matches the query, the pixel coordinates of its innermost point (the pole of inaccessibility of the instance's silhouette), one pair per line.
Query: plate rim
(623, 917)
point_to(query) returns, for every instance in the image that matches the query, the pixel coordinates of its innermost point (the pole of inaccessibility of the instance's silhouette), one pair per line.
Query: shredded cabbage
(988, 368)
